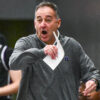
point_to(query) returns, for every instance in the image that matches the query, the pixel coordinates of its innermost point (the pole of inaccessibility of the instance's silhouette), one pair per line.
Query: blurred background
(80, 19)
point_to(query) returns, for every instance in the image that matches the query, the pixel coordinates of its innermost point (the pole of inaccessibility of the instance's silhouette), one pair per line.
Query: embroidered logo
(66, 58)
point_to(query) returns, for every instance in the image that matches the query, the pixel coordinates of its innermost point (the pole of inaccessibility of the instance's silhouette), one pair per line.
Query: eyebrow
(48, 16)
(38, 17)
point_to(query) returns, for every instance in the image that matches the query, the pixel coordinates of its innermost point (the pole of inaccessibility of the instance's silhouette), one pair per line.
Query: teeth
(44, 32)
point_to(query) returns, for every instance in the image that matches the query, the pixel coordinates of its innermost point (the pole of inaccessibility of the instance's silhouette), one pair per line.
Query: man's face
(45, 23)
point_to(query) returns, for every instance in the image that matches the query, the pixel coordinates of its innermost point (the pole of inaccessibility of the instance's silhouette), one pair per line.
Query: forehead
(45, 11)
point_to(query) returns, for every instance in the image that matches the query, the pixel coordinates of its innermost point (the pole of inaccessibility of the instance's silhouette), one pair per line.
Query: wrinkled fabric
(39, 81)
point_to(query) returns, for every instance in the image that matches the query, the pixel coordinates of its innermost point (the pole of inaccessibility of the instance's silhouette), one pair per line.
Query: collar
(58, 34)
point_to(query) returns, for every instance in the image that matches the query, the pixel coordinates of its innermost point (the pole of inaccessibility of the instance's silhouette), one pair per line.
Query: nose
(43, 24)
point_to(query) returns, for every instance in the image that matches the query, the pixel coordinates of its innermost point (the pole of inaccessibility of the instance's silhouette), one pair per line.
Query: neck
(53, 38)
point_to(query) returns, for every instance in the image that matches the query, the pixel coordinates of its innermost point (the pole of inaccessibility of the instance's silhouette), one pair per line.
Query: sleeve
(5, 54)
(88, 70)
(24, 54)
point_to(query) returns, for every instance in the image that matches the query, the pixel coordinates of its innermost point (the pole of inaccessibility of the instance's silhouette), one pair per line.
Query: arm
(24, 54)
(89, 73)
(12, 87)
(88, 70)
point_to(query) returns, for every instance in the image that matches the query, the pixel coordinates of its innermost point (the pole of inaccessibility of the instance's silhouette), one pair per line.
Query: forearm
(20, 61)
(9, 89)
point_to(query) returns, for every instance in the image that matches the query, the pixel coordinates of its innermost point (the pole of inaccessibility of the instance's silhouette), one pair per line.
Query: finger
(51, 50)
(89, 94)
(91, 87)
(47, 49)
(89, 90)
(55, 50)
(90, 84)
(51, 53)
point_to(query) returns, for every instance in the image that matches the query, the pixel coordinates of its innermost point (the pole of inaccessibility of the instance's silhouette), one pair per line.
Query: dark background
(80, 19)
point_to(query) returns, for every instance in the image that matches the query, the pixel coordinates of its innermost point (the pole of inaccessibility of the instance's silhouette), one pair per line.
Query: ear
(59, 22)
(34, 24)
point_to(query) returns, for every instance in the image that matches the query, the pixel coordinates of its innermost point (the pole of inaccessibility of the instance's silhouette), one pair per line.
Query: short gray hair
(48, 4)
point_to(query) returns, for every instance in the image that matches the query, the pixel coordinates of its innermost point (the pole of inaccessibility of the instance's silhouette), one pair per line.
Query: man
(9, 80)
(39, 81)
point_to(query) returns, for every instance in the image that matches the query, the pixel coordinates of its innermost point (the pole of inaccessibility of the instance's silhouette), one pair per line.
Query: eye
(39, 20)
(48, 20)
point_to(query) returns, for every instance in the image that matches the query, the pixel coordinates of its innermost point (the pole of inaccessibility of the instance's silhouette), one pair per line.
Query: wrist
(96, 82)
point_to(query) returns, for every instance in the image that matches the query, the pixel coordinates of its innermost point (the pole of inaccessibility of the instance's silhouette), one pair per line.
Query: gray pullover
(39, 81)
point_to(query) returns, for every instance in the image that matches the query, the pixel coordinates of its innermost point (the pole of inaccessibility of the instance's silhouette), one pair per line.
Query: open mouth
(44, 32)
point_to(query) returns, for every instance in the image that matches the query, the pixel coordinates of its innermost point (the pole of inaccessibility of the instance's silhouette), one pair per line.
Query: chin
(44, 40)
